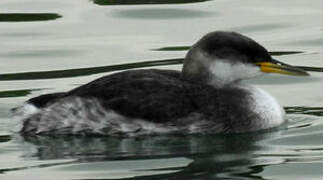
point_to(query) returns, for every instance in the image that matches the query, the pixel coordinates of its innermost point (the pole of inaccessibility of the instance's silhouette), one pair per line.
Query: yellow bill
(275, 66)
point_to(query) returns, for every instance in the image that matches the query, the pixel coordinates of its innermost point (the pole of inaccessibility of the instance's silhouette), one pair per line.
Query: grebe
(208, 96)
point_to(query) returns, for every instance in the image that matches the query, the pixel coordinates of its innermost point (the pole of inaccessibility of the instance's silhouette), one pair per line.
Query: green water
(52, 46)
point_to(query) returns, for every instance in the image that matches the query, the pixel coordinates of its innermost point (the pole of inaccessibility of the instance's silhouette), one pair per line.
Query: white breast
(266, 106)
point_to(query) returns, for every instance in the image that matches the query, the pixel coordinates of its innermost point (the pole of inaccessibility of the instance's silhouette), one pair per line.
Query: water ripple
(23, 17)
(160, 13)
(138, 2)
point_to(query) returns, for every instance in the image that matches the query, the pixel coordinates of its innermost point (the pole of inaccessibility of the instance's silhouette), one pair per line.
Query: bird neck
(220, 84)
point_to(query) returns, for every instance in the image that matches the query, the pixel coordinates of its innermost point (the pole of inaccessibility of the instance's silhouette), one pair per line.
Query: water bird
(207, 96)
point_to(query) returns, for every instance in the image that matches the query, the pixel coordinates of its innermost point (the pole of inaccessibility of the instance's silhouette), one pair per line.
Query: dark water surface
(51, 46)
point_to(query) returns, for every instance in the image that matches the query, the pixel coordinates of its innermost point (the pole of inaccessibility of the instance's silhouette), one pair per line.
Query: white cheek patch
(225, 72)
